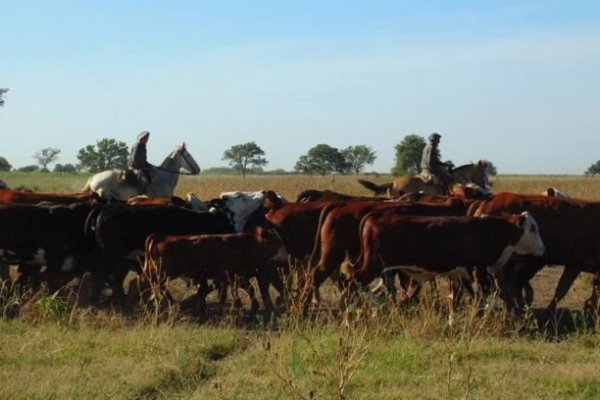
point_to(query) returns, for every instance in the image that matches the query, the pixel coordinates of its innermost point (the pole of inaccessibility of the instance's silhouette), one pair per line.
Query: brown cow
(328, 195)
(338, 232)
(9, 196)
(570, 229)
(432, 245)
(219, 257)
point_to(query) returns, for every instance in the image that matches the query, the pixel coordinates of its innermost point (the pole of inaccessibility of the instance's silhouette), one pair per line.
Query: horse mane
(471, 165)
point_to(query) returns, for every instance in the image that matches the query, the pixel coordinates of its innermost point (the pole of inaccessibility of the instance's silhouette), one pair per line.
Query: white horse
(163, 182)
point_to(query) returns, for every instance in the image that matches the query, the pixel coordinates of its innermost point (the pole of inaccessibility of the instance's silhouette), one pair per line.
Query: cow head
(240, 205)
(530, 242)
(194, 203)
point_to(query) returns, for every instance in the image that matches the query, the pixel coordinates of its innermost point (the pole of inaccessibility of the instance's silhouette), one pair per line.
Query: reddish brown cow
(570, 229)
(219, 257)
(338, 231)
(157, 201)
(9, 196)
(433, 245)
(328, 195)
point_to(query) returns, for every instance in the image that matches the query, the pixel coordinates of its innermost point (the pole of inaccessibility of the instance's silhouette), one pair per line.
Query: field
(53, 350)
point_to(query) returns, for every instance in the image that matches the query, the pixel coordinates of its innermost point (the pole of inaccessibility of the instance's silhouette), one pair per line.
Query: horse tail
(375, 188)
(87, 188)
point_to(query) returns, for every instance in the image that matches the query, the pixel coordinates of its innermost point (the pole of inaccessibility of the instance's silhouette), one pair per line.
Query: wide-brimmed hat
(143, 134)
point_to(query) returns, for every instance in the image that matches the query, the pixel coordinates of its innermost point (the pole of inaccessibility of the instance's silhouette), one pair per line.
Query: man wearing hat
(139, 163)
(431, 165)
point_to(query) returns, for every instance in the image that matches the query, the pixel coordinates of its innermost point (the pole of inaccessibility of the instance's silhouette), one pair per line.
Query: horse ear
(183, 145)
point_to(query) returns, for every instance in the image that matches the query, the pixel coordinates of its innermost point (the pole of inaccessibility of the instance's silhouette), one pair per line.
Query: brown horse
(465, 174)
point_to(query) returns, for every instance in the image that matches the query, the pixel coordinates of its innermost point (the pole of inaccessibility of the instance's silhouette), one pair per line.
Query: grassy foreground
(374, 360)
(54, 352)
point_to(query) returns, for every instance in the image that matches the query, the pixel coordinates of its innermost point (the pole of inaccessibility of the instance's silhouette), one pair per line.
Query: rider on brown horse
(431, 165)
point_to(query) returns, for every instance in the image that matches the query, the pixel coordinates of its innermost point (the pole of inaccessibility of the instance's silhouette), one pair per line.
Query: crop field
(52, 349)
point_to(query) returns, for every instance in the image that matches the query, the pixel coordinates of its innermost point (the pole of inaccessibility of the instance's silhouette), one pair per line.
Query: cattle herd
(500, 242)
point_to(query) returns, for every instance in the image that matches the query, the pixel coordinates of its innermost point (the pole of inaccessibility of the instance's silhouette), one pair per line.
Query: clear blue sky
(516, 82)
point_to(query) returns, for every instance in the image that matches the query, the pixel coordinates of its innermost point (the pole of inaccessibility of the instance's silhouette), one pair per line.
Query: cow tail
(316, 252)
(151, 265)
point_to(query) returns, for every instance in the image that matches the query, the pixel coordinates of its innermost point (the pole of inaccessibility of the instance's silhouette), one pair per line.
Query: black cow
(119, 232)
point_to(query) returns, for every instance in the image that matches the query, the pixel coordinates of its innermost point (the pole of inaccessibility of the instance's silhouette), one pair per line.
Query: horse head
(180, 158)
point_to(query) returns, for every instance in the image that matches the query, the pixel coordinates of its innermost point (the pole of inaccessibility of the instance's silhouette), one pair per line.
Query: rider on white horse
(431, 165)
(138, 161)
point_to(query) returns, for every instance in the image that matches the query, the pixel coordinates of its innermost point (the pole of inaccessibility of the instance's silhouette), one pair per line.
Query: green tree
(408, 155)
(358, 156)
(104, 155)
(593, 169)
(4, 164)
(322, 159)
(491, 168)
(242, 156)
(46, 156)
(29, 168)
(2, 93)
(70, 168)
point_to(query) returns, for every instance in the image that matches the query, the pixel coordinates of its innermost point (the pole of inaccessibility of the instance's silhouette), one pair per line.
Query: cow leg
(263, 287)
(591, 304)
(564, 284)
(200, 306)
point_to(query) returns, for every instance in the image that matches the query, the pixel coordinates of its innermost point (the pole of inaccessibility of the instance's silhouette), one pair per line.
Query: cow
(328, 195)
(425, 245)
(220, 257)
(51, 236)
(337, 234)
(570, 229)
(118, 234)
(8, 196)
(191, 201)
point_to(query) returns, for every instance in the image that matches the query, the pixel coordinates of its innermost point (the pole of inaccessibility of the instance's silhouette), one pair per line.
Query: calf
(119, 232)
(434, 245)
(217, 257)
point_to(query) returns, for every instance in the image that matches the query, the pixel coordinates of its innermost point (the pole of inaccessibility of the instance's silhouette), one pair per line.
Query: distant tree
(4, 164)
(69, 168)
(104, 155)
(322, 159)
(408, 155)
(2, 93)
(46, 156)
(243, 156)
(593, 169)
(29, 168)
(219, 171)
(492, 168)
(358, 156)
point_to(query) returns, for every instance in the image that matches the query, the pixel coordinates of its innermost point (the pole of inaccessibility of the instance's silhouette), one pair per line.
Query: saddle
(429, 179)
(128, 177)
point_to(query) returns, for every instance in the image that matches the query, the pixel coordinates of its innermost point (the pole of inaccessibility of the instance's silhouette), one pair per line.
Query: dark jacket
(431, 159)
(137, 158)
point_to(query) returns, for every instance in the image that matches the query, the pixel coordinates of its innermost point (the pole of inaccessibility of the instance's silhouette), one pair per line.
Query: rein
(175, 172)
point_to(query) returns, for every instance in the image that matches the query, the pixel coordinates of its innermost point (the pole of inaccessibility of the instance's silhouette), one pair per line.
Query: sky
(514, 82)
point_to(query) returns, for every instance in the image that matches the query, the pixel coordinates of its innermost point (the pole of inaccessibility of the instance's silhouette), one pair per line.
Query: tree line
(249, 157)
(242, 158)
